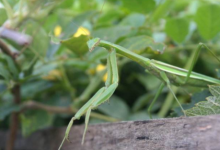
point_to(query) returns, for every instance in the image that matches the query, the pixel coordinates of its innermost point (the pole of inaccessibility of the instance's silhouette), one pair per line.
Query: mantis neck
(145, 62)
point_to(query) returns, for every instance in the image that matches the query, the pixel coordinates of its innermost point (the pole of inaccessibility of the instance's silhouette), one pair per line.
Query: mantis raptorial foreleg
(100, 97)
(86, 123)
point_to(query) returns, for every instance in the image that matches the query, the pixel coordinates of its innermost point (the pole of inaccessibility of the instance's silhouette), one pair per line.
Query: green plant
(43, 83)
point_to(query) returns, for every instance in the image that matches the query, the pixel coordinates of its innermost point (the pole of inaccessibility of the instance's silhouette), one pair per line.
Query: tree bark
(190, 133)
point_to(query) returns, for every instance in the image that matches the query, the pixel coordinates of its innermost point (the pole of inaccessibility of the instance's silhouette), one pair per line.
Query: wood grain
(191, 133)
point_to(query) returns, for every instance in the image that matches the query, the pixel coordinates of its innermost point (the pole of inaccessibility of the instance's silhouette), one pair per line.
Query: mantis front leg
(100, 97)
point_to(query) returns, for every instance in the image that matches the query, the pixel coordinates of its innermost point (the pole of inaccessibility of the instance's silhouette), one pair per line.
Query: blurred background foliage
(57, 78)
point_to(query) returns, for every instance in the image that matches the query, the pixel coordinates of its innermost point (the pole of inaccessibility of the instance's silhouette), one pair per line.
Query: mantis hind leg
(167, 81)
(189, 66)
(195, 57)
(193, 60)
(155, 98)
(177, 100)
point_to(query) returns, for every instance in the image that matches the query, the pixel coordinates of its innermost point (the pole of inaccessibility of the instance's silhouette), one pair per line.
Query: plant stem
(8, 9)
(17, 37)
(67, 82)
(17, 99)
(14, 119)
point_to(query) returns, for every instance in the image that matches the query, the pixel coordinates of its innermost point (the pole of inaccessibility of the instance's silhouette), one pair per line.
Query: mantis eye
(93, 43)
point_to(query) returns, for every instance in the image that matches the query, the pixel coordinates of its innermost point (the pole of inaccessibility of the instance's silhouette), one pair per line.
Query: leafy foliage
(35, 120)
(65, 74)
(207, 20)
(177, 28)
(211, 106)
(77, 44)
(142, 44)
(141, 6)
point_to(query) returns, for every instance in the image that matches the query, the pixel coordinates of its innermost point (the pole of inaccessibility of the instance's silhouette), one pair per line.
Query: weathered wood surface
(193, 133)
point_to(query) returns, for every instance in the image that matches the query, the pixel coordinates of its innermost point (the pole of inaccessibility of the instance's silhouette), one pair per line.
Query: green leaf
(177, 29)
(3, 15)
(87, 5)
(139, 116)
(215, 91)
(142, 102)
(109, 17)
(135, 20)
(111, 34)
(181, 5)
(150, 82)
(141, 6)
(83, 65)
(7, 108)
(218, 73)
(54, 39)
(142, 44)
(209, 107)
(28, 70)
(66, 4)
(11, 65)
(196, 98)
(4, 72)
(162, 10)
(35, 120)
(116, 108)
(40, 41)
(76, 23)
(40, 68)
(32, 88)
(207, 19)
(97, 54)
(77, 44)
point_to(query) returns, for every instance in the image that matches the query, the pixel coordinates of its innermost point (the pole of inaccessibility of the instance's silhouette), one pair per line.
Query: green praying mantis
(168, 74)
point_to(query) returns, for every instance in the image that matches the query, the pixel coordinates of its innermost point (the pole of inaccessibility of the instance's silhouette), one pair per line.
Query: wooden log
(191, 133)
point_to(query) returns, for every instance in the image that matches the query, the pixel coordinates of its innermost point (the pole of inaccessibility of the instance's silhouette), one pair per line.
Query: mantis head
(93, 43)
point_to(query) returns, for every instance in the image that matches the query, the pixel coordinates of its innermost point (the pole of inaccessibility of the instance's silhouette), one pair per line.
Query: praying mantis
(168, 74)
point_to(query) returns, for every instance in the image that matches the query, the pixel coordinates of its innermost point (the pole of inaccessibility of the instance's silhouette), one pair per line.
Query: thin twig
(67, 110)
(52, 109)
(17, 37)
(7, 51)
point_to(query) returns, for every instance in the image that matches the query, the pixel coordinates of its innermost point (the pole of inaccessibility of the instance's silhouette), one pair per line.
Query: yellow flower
(53, 75)
(104, 78)
(57, 30)
(81, 31)
(100, 67)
